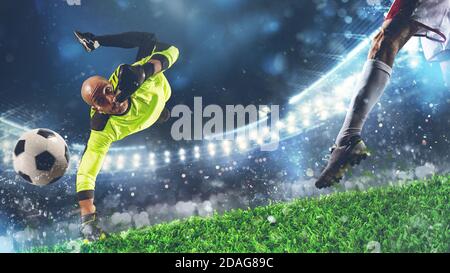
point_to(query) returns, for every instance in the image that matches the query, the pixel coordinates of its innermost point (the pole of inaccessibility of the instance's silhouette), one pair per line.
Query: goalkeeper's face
(98, 92)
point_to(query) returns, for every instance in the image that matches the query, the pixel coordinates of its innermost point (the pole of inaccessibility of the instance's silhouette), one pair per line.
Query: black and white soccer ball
(41, 157)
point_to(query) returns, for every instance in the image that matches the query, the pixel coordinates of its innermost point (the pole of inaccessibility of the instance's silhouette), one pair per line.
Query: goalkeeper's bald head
(98, 92)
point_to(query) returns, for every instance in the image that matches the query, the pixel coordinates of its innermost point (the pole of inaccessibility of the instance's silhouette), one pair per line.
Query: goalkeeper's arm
(132, 76)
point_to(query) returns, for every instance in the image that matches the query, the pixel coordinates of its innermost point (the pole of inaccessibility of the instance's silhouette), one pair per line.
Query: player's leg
(376, 74)
(143, 40)
(90, 165)
(349, 148)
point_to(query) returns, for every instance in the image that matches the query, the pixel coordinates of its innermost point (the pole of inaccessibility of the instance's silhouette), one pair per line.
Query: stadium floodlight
(253, 134)
(197, 152)
(242, 143)
(357, 50)
(136, 160)
(264, 111)
(260, 141)
(182, 154)
(274, 136)
(414, 63)
(291, 129)
(106, 163)
(279, 124)
(6, 145)
(151, 159)
(306, 122)
(291, 118)
(120, 162)
(226, 146)
(212, 149)
(6, 159)
(323, 114)
(74, 160)
(167, 157)
(305, 109)
(319, 103)
(340, 107)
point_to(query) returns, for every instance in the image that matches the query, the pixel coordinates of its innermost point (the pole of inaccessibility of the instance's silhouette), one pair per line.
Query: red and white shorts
(433, 16)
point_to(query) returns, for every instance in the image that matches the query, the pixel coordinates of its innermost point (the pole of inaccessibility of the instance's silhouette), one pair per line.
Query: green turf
(410, 218)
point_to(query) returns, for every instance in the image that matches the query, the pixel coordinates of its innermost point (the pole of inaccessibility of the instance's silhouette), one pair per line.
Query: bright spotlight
(318, 103)
(74, 158)
(120, 162)
(291, 118)
(197, 152)
(107, 163)
(212, 149)
(260, 141)
(182, 154)
(306, 122)
(226, 146)
(340, 107)
(291, 129)
(167, 157)
(136, 160)
(323, 114)
(151, 159)
(242, 143)
(274, 136)
(279, 124)
(304, 109)
(414, 63)
(6, 159)
(264, 111)
(349, 58)
(6, 144)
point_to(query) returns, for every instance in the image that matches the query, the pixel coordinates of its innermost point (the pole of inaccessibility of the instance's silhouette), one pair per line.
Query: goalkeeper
(132, 100)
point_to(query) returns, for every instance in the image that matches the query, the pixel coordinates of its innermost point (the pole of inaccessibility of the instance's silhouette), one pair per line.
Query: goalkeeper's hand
(130, 78)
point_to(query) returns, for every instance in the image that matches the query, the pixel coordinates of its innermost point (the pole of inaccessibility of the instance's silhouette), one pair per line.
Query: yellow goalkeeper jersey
(145, 107)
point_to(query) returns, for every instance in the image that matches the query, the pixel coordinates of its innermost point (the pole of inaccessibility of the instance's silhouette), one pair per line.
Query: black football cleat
(87, 40)
(90, 229)
(341, 159)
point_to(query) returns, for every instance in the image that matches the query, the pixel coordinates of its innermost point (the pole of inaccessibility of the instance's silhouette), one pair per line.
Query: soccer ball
(41, 157)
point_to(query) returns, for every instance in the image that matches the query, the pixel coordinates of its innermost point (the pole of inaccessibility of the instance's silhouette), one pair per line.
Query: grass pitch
(409, 218)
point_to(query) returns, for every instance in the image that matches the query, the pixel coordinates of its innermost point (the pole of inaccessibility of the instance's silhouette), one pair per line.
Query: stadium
(274, 56)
